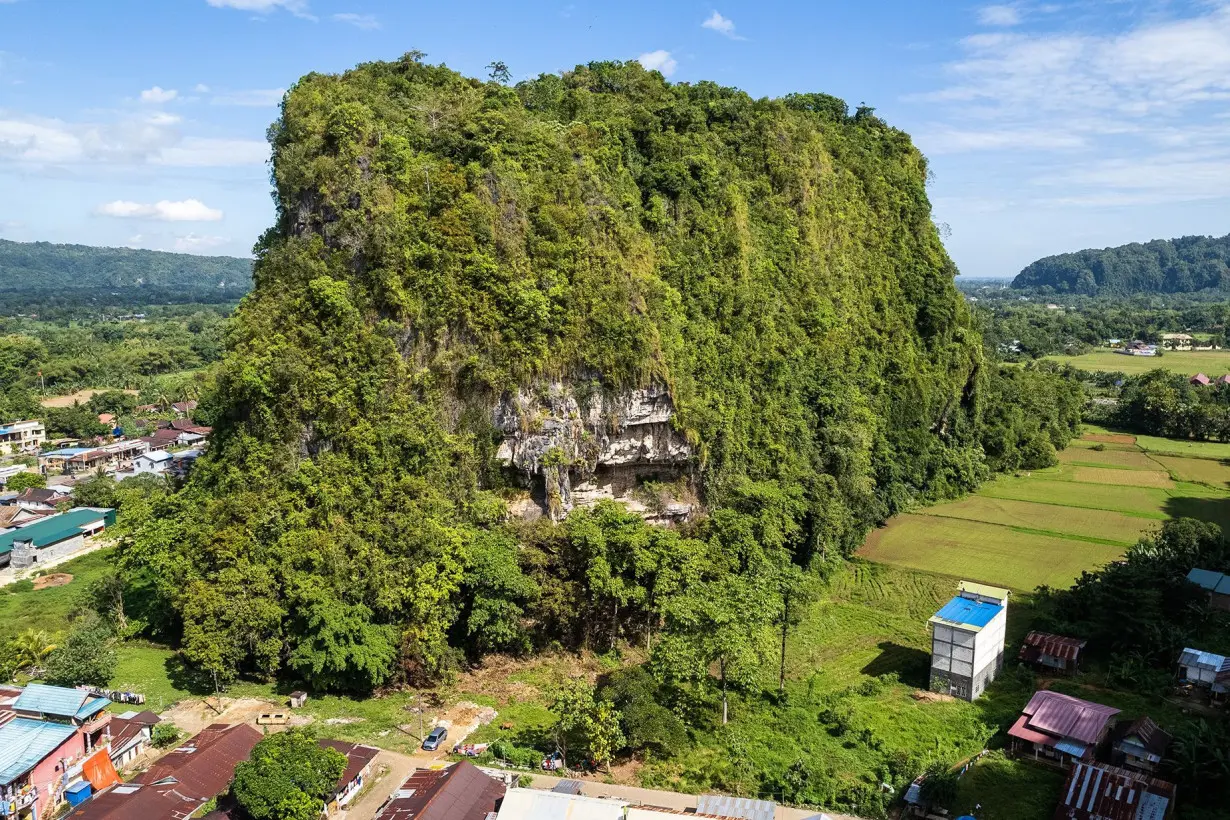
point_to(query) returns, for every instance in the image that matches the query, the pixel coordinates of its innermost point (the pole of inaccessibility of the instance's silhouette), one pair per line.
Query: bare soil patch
(923, 696)
(80, 396)
(1110, 438)
(55, 579)
(193, 715)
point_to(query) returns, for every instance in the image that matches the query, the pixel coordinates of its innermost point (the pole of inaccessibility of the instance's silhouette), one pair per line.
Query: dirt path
(396, 768)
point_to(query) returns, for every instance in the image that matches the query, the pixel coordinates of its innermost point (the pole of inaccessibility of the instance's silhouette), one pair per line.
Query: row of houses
(467, 792)
(130, 455)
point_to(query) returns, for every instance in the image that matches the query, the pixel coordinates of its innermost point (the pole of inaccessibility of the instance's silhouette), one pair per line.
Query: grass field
(1192, 449)
(1098, 525)
(1212, 363)
(988, 552)
(1047, 526)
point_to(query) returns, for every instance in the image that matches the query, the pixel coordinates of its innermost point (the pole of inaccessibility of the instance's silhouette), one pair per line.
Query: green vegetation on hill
(32, 270)
(1190, 263)
(442, 241)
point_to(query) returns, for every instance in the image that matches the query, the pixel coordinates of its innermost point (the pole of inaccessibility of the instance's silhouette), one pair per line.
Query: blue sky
(1050, 126)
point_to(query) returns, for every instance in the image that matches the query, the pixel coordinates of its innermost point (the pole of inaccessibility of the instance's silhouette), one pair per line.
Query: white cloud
(299, 8)
(254, 98)
(367, 22)
(195, 243)
(163, 118)
(158, 94)
(947, 140)
(188, 210)
(201, 88)
(722, 25)
(138, 141)
(660, 60)
(999, 16)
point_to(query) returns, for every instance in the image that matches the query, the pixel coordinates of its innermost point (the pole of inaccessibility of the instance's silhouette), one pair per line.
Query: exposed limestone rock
(591, 446)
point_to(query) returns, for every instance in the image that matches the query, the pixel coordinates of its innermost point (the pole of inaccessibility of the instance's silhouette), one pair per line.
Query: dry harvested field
(1212, 363)
(80, 396)
(1047, 526)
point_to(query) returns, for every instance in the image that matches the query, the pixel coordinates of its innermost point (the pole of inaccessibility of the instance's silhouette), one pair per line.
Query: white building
(22, 437)
(967, 640)
(155, 461)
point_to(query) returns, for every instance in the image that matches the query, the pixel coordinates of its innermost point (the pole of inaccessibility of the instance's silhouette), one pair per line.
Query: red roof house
(1060, 728)
(1200, 379)
(460, 792)
(1052, 651)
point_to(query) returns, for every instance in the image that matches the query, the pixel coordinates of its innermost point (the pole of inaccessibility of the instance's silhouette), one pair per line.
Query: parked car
(434, 738)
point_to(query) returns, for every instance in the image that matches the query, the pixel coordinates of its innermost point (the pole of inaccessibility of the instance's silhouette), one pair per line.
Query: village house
(183, 408)
(47, 732)
(1052, 652)
(1138, 348)
(154, 462)
(1061, 729)
(52, 536)
(532, 804)
(131, 734)
(1216, 584)
(13, 516)
(1205, 670)
(181, 462)
(1096, 792)
(180, 782)
(37, 499)
(1139, 744)
(1176, 341)
(967, 640)
(459, 792)
(22, 437)
(358, 770)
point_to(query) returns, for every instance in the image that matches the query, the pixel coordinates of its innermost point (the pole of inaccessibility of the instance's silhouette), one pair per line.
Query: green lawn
(1195, 449)
(22, 607)
(1212, 363)
(1008, 789)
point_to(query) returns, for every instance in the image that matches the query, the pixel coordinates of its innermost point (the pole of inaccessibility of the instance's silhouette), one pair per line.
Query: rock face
(586, 446)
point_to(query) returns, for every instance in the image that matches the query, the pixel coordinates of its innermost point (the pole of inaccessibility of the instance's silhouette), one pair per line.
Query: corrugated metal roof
(1112, 793)
(24, 743)
(90, 707)
(745, 807)
(1067, 717)
(1205, 578)
(531, 804)
(1206, 660)
(1056, 646)
(51, 700)
(1072, 748)
(966, 612)
(997, 594)
(53, 528)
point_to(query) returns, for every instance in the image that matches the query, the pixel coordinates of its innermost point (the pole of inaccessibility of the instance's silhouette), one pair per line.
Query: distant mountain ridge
(1184, 265)
(45, 266)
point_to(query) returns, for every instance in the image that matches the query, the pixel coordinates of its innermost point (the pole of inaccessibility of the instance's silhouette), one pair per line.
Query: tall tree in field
(717, 625)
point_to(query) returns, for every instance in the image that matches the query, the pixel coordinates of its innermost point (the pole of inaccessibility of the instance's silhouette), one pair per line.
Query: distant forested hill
(1183, 265)
(42, 267)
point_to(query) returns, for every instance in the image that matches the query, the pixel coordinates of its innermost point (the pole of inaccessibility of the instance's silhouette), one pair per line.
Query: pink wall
(47, 778)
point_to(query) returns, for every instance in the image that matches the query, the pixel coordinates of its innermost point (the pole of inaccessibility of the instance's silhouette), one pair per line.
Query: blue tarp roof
(54, 528)
(968, 612)
(24, 742)
(1071, 747)
(50, 700)
(68, 451)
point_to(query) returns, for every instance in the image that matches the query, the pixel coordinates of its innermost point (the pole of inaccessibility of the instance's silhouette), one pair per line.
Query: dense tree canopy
(441, 241)
(1183, 265)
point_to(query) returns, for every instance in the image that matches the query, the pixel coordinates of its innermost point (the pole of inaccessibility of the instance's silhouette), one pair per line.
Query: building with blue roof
(967, 640)
(1217, 584)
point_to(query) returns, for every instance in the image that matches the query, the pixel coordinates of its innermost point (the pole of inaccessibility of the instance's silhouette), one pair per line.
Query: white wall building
(22, 437)
(155, 461)
(967, 640)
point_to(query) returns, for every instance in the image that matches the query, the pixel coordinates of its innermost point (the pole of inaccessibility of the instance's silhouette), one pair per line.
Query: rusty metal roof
(460, 792)
(1057, 646)
(1112, 793)
(1067, 717)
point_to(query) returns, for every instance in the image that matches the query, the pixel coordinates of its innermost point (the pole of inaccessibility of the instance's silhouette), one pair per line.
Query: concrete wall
(25, 556)
(964, 662)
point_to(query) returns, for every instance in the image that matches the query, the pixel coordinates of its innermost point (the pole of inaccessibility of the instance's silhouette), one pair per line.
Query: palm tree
(31, 648)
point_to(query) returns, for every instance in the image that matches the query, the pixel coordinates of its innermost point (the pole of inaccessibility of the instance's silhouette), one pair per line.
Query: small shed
(1140, 744)
(297, 699)
(744, 807)
(1056, 652)
(1205, 669)
(1200, 380)
(78, 793)
(1216, 584)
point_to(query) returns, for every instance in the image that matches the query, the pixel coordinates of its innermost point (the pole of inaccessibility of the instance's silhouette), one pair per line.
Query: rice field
(1105, 526)
(1212, 363)
(1045, 527)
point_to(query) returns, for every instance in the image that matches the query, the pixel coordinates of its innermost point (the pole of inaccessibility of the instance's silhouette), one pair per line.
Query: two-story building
(52, 730)
(22, 437)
